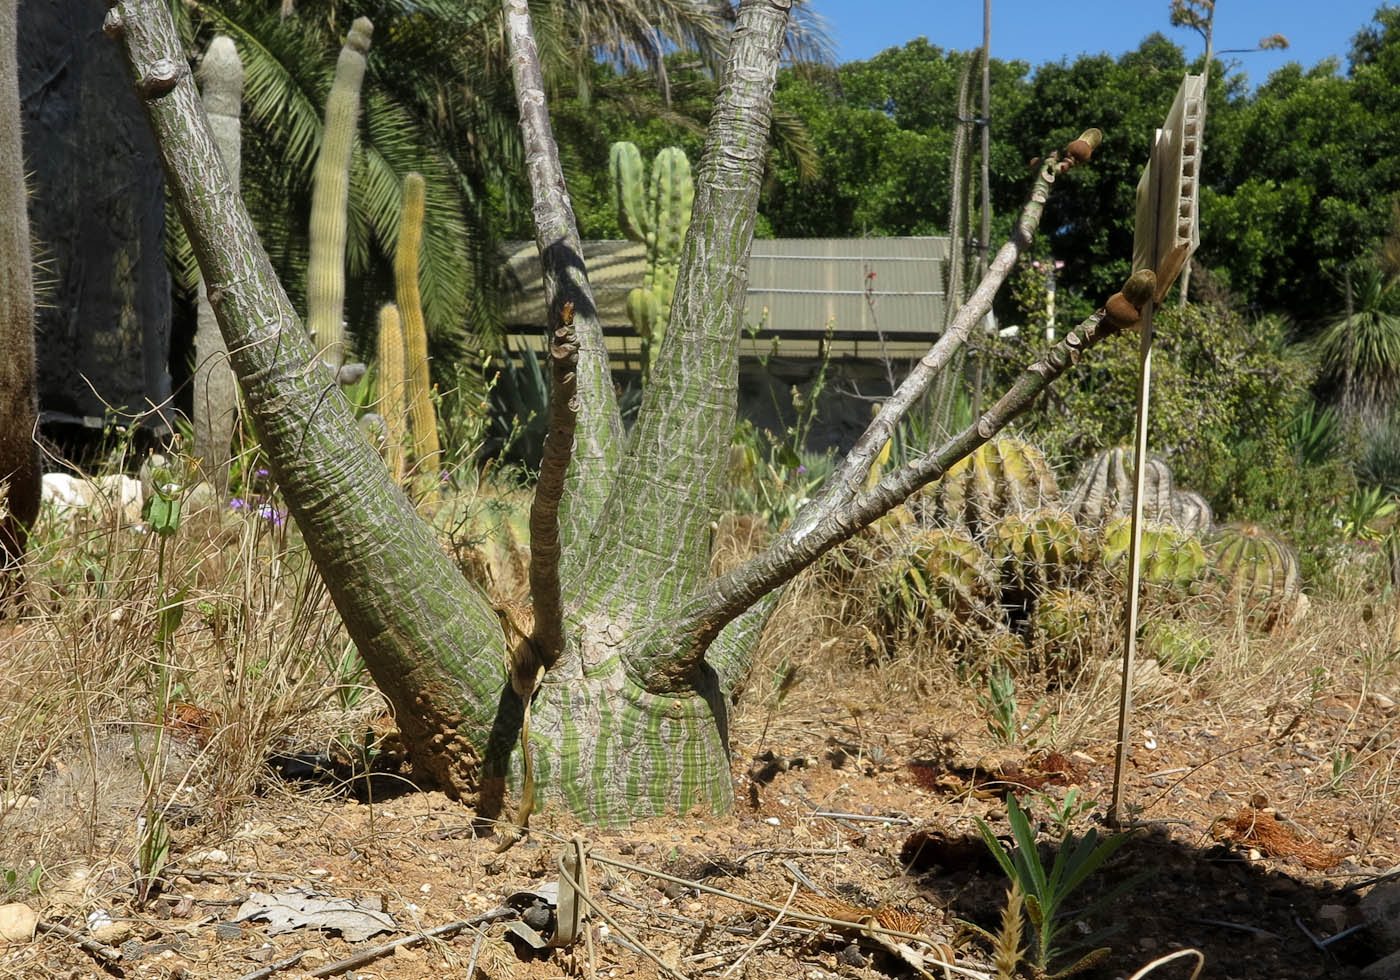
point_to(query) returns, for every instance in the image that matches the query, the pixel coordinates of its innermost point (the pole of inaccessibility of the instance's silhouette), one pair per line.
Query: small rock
(1332, 917)
(112, 933)
(17, 922)
(1381, 909)
(228, 930)
(537, 917)
(673, 890)
(852, 956)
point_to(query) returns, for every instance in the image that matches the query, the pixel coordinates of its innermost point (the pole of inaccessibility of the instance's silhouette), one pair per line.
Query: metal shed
(845, 293)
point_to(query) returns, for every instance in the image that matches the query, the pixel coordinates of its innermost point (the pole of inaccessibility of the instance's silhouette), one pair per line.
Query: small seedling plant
(1055, 941)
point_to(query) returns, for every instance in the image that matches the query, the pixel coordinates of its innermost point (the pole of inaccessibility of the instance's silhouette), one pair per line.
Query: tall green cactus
(427, 448)
(330, 195)
(215, 389)
(391, 388)
(657, 216)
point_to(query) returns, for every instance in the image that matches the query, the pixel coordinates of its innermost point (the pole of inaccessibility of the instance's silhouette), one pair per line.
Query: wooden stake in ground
(1165, 235)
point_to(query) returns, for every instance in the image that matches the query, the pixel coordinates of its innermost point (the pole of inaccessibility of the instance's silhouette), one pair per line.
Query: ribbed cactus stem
(422, 422)
(391, 388)
(215, 389)
(656, 214)
(330, 195)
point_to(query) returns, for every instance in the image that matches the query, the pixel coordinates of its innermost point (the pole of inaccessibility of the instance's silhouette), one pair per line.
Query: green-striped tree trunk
(634, 651)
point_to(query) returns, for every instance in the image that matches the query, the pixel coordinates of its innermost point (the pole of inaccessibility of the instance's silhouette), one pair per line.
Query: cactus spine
(391, 388)
(215, 388)
(657, 216)
(1260, 573)
(422, 421)
(1039, 548)
(330, 195)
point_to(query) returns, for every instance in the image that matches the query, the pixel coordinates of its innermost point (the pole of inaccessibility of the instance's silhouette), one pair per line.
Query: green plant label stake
(1164, 236)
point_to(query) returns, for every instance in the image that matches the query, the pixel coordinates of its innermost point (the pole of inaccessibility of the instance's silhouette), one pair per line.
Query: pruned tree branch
(700, 621)
(566, 281)
(547, 637)
(847, 481)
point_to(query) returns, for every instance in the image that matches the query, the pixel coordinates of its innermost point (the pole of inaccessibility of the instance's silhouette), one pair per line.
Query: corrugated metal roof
(806, 285)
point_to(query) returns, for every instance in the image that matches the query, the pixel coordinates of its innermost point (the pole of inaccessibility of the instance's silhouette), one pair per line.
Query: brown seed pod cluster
(1081, 149)
(1124, 308)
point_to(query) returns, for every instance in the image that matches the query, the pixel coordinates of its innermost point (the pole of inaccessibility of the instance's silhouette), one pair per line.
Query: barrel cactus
(944, 580)
(1191, 512)
(1259, 572)
(1175, 645)
(1105, 488)
(1004, 476)
(657, 215)
(1039, 548)
(1068, 628)
(1169, 558)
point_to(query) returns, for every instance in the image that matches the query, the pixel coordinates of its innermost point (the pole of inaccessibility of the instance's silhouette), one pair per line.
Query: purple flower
(276, 515)
(260, 471)
(801, 469)
(238, 503)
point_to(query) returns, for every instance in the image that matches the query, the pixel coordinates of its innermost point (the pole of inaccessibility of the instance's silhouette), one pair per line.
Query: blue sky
(1038, 32)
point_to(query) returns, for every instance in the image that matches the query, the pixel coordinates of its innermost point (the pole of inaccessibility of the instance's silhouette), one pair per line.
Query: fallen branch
(109, 955)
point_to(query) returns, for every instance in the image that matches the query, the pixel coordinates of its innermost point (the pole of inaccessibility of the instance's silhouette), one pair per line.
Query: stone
(17, 922)
(1381, 910)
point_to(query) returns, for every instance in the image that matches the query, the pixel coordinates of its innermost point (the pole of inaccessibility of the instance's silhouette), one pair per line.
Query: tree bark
(19, 407)
(432, 643)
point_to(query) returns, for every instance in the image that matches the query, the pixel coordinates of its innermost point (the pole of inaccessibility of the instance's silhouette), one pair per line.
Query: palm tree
(1360, 349)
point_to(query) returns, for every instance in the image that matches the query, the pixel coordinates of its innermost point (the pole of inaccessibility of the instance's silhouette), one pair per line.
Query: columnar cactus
(215, 389)
(1004, 476)
(422, 420)
(657, 216)
(391, 388)
(330, 195)
(1260, 573)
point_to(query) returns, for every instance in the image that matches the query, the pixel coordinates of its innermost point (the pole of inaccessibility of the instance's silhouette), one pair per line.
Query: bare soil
(1255, 849)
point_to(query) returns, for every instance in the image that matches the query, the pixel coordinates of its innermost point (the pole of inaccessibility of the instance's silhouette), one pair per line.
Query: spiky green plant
(1360, 347)
(1175, 645)
(1259, 572)
(1040, 548)
(1169, 558)
(418, 386)
(1004, 476)
(657, 214)
(1067, 629)
(330, 197)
